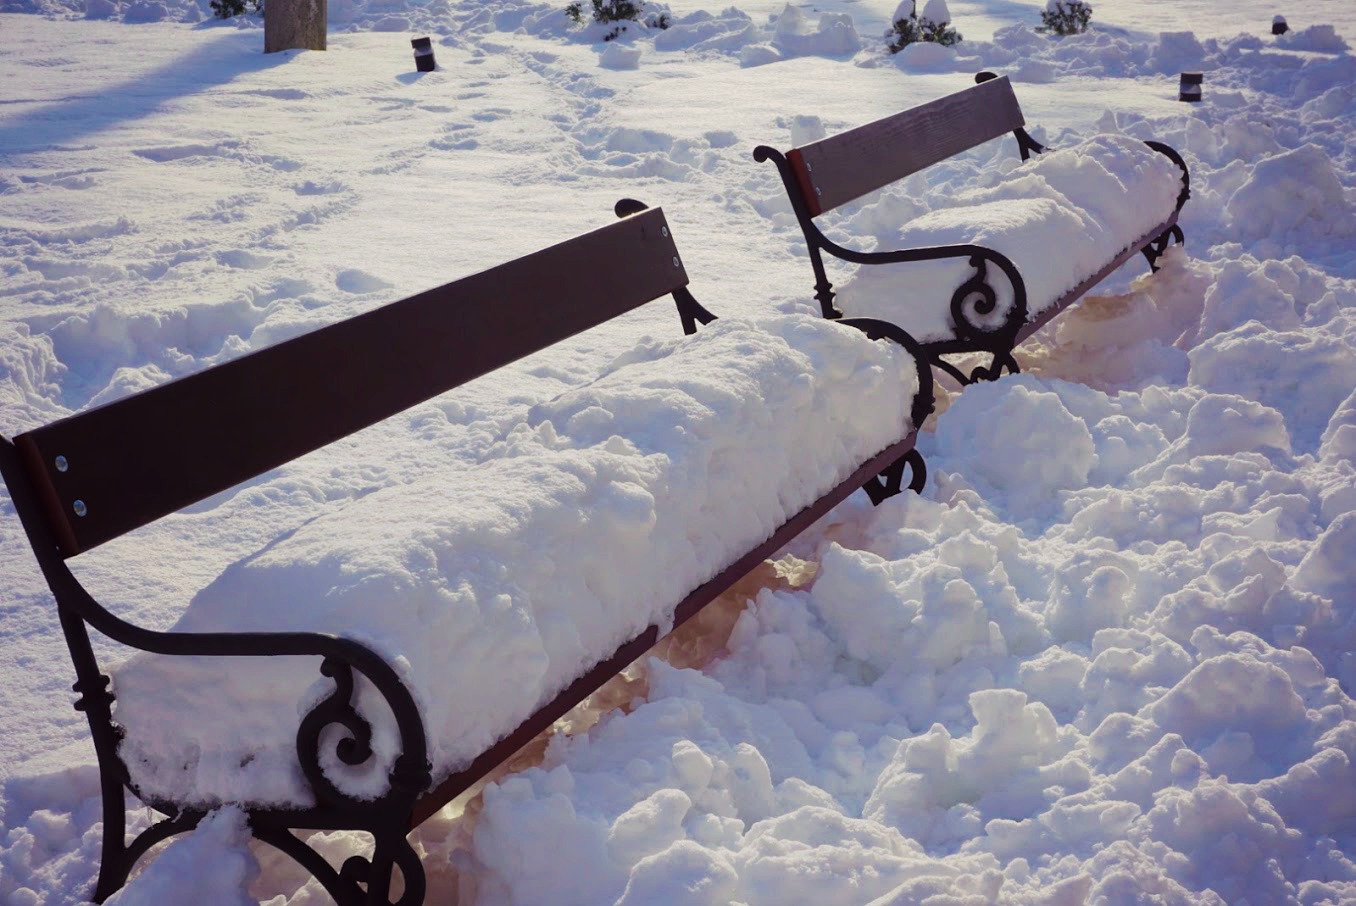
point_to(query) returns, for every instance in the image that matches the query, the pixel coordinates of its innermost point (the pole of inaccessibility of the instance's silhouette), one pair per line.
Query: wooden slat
(586, 685)
(837, 169)
(140, 458)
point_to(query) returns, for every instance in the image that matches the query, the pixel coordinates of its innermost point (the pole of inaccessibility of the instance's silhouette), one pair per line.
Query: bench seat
(491, 588)
(1059, 218)
(989, 267)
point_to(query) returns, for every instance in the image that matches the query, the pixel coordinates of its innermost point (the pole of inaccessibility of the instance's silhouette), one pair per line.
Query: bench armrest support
(1171, 154)
(925, 402)
(387, 816)
(690, 311)
(975, 296)
(1026, 145)
(964, 303)
(341, 658)
(889, 482)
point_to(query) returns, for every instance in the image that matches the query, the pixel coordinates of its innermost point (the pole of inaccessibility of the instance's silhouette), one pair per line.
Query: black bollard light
(423, 55)
(1191, 86)
(1279, 26)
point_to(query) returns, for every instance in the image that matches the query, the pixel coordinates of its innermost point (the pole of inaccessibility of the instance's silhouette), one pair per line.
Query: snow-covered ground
(1107, 654)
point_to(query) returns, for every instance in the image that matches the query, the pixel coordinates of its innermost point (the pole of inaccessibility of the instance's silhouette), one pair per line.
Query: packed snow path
(1107, 654)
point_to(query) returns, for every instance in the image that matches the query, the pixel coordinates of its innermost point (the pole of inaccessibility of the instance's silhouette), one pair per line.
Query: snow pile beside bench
(1060, 218)
(492, 588)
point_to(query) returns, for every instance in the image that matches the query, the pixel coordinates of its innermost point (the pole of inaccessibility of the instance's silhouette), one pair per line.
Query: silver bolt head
(675, 261)
(61, 464)
(664, 231)
(80, 508)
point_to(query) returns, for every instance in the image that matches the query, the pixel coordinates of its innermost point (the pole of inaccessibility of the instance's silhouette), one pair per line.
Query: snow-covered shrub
(605, 11)
(1066, 17)
(933, 26)
(225, 9)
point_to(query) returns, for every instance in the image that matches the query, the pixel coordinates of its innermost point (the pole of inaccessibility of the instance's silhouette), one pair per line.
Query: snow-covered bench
(456, 617)
(989, 269)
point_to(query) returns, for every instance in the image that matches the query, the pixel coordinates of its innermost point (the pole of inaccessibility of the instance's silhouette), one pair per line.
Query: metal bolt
(818, 190)
(80, 508)
(664, 231)
(808, 168)
(675, 261)
(61, 464)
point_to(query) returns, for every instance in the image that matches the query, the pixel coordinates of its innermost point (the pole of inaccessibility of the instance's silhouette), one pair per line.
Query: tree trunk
(294, 24)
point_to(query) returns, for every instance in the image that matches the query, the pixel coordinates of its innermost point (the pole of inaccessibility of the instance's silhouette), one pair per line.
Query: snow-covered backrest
(105, 472)
(846, 166)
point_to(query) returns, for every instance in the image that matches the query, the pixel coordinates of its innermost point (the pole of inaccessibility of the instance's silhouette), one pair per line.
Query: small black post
(423, 55)
(1279, 26)
(1191, 86)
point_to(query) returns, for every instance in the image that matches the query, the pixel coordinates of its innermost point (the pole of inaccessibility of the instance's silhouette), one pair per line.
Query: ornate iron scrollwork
(1171, 154)
(973, 306)
(336, 710)
(1154, 250)
(890, 482)
(974, 300)
(408, 777)
(1002, 361)
(386, 817)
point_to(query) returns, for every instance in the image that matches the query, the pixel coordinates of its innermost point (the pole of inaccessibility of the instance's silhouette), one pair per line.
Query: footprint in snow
(240, 258)
(169, 153)
(358, 282)
(319, 188)
(65, 179)
(456, 137)
(280, 94)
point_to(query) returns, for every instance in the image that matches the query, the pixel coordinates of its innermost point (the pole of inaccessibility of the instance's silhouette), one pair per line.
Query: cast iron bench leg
(1154, 250)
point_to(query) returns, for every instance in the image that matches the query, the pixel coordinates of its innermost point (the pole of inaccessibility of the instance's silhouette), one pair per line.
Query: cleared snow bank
(1112, 675)
(492, 588)
(1059, 218)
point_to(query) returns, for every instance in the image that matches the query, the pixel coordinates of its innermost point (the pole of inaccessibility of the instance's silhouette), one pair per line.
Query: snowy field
(1106, 657)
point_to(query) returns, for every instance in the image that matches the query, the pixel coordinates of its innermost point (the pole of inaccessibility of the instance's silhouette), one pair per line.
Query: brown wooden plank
(850, 164)
(804, 183)
(137, 459)
(689, 607)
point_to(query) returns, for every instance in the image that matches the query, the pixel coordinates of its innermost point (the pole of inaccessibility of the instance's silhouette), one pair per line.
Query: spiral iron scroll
(337, 710)
(974, 300)
(1154, 250)
(408, 779)
(889, 482)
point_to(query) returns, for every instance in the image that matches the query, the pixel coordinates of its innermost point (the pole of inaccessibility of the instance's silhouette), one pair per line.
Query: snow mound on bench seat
(491, 588)
(1060, 218)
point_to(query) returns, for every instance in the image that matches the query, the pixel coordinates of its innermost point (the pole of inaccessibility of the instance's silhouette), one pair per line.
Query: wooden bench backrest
(135, 460)
(840, 168)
